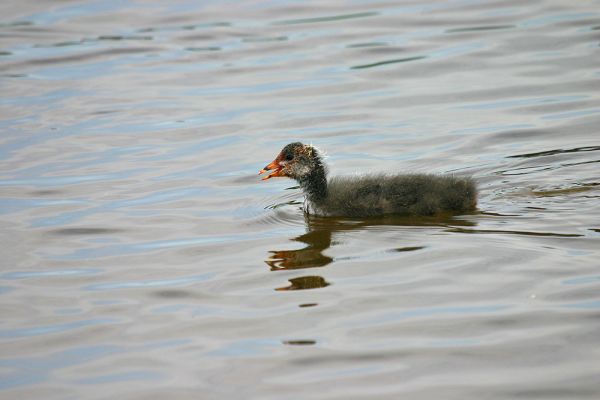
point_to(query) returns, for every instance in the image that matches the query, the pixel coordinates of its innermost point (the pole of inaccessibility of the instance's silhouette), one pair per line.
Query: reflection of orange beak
(274, 165)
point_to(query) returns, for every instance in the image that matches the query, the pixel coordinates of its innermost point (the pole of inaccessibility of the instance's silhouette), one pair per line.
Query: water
(142, 257)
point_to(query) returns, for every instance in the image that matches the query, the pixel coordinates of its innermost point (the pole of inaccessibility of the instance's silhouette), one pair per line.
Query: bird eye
(289, 156)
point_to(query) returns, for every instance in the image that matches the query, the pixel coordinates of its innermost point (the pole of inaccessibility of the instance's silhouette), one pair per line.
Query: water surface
(142, 257)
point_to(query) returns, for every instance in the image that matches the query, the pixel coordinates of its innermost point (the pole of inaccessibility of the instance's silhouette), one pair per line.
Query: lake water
(143, 258)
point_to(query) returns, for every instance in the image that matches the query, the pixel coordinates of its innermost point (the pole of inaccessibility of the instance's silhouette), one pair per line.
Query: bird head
(296, 161)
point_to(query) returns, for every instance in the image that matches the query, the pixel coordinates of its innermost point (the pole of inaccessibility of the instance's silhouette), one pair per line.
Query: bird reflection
(305, 282)
(318, 238)
(311, 256)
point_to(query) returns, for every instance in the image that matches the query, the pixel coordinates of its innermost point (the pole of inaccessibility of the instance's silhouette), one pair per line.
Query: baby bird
(370, 195)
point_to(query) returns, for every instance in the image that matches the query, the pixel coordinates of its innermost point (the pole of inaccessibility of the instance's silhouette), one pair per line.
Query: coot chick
(370, 195)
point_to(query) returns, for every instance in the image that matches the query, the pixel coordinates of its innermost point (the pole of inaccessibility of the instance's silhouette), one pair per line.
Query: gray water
(142, 257)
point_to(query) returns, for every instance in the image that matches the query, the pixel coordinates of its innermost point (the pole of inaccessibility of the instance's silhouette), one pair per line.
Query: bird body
(371, 195)
(413, 194)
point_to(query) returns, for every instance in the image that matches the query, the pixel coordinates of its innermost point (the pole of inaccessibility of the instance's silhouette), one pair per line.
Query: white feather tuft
(320, 151)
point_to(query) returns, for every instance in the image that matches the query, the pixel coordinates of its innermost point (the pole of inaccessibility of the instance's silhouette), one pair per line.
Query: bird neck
(314, 184)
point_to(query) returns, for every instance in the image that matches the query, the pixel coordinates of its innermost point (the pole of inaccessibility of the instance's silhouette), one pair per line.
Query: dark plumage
(371, 195)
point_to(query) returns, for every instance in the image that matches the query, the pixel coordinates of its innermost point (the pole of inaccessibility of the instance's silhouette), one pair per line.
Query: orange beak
(277, 166)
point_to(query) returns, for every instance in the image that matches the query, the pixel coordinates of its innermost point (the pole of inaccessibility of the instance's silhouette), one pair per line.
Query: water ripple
(53, 273)
(56, 328)
(331, 18)
(386, 62)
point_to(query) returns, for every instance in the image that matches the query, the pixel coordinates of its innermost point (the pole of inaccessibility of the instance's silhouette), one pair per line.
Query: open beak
(276, 166)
